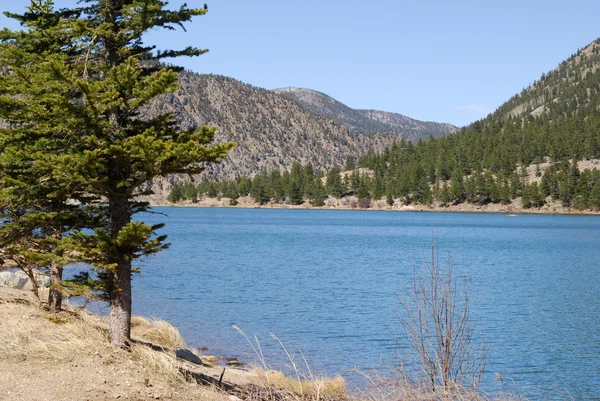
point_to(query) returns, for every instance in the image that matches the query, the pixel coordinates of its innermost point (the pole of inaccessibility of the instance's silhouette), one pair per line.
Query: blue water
(327, 283)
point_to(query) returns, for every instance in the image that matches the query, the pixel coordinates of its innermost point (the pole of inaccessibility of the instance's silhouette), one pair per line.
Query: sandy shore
(351, 203)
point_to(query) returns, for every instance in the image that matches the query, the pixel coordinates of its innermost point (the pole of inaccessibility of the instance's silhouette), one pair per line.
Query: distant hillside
(272, 132)
(538, 150)
(572, 87)
(365, 121)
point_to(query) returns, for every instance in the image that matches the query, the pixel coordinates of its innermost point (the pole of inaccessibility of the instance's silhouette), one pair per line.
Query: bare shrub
(398, 386)
(435, 316)
(380, 387)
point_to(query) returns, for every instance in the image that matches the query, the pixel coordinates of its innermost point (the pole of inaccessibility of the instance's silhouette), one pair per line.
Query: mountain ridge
(271, 130)
(368, 121)
(571, 87)
(553, 122)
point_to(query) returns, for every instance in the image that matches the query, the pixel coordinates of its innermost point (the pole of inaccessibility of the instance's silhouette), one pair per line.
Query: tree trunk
(55, 295)
(120, 306)
(120, 296)
(119, 208)
(35, 288)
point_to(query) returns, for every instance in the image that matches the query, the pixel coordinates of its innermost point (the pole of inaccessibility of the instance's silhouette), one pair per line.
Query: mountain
(272, 131)
(365, 121)
(572, 87)
(540, 149)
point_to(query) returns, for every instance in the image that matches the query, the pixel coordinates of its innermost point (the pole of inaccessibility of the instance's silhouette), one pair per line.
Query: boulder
(188, 355)
(16, 278)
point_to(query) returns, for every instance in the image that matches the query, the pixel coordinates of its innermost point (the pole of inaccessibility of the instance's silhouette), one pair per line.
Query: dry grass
(160, 363)
(306, 386)
(156, 332)
(398, 386)
(314, 388)
(75, 346)
(30, 333)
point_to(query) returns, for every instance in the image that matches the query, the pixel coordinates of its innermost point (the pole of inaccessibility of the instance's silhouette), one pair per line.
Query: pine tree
(259, 190)
(526, 197)
(230, 191)
(276, 186)
(389, 199)
(378, 186)
(364, 187)
(444, 195)
(354, 181)
(350, 163)
(318, 193)
(243, 187)
(309, 180)
(536, 196)
(295, 193)
(503, 189)
(334, 184)
(175, 195)
(457, 193)
(89, 96)
(34, 203)
(594, 198)
(296, 184)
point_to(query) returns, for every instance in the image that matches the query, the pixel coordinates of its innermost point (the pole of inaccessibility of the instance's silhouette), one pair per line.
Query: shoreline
(67, 356)
(73, 344)
(346, 204)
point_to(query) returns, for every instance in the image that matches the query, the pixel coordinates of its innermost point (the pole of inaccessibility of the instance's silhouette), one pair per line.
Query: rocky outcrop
(16, 278)
(271, 131)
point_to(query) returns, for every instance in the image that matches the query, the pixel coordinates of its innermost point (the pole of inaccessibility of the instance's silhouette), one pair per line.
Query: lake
(327, 284)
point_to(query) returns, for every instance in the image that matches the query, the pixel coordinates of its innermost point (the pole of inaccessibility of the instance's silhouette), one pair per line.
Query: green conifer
(80, 112)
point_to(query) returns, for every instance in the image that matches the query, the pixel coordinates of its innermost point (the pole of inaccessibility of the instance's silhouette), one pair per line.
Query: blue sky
(431, 60)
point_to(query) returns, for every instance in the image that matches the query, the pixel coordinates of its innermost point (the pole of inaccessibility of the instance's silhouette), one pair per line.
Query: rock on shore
(16, 278)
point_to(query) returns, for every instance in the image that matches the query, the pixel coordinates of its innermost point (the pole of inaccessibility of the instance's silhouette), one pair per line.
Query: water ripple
(326, 282)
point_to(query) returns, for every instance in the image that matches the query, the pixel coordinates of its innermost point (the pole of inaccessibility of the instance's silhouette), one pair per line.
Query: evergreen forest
(530, 149)
(484, 163)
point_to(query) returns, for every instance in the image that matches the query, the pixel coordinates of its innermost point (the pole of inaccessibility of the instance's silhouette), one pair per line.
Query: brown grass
(157, 332)
(75, 345)
(313, 389)
(30, 333)
(39, 344)
(306, 386)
